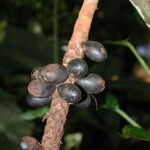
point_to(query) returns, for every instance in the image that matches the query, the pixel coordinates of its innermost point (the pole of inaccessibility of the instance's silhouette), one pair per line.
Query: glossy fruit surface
(69, 92)
(54, 73)
(92, 83)
(84, 103)
(78, 68)
(40, 88)
(28, 143)
(38, 101)
(94, 51)
(36, 73)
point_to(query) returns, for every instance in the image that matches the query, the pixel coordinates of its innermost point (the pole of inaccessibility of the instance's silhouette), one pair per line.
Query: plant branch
(127, 117)
(56, 117)
(127, 44)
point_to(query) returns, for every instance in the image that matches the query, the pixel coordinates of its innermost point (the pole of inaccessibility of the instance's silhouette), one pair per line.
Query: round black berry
(38, 101)
(28, 143)
(69, 92)
(78, 68)
(36, 73)
(84, 103)
(54, 73)
(40, 88)
(94, 51)
(92, 83)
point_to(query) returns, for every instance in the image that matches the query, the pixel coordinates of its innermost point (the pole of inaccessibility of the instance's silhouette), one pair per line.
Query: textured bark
(56, 117)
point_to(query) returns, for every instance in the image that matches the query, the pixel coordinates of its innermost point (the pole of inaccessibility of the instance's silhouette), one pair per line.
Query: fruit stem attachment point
(95, 100)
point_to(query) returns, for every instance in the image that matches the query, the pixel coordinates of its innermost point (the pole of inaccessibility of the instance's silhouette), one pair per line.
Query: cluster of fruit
(47, 79)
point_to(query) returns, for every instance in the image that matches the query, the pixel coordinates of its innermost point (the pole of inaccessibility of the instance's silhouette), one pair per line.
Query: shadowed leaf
(143, 8)
(133, 132)
(112, 104)
(33, 114)
(10, 122)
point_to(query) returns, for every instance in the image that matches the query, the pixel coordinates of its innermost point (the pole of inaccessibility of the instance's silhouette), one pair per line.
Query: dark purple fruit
(84, 103)
(38, 101)
(92, 83)
(40, 88)
(28, 143)
(78, 68)
(94, 51)
(54, 73)
(69, 92)
(36, 73)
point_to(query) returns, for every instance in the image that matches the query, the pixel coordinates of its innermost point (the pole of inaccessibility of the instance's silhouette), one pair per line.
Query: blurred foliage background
(35, 33)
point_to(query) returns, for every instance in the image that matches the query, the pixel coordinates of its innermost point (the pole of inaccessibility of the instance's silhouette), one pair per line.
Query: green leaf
(112, 104)
(10, 123)
(3, 25)
(134, 132)
(127, 44)
(127, 117)
(72, 141)
(33, 114)
(143, 8)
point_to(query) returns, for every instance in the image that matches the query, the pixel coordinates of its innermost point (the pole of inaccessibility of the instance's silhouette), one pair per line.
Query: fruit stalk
(56, 117)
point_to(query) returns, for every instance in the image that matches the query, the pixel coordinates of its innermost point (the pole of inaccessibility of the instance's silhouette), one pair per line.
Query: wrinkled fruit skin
(84, 103)
(92, 83)
(38, 101)
(54, 73)
(40, 88)
(36, 73)
(28, 143)
(69, 92)
(94, 51)
(78, 68)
